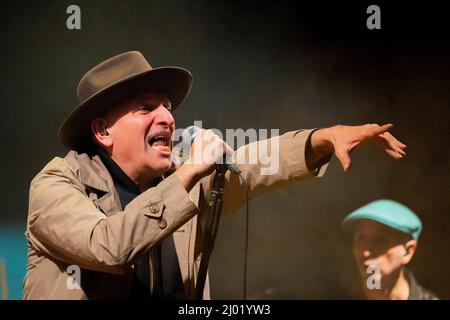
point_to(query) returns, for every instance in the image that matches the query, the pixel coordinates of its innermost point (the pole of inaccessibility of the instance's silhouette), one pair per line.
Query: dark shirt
(167, 283)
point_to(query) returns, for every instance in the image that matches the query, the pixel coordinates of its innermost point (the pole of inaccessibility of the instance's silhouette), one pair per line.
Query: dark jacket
(416, 291)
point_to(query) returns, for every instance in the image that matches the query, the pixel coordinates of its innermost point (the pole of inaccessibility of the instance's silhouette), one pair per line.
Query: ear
(410, 247)
(99, 128)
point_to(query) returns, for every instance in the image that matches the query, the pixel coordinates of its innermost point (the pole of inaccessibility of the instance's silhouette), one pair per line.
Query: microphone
(187, 138)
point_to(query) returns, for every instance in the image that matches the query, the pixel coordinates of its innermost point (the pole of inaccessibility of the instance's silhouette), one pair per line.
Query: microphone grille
(189, 133)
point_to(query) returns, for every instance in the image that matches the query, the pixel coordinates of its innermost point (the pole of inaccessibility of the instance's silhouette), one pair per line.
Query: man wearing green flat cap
(385, 235)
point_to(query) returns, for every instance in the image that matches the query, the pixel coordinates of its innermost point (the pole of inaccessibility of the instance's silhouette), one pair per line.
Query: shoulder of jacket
(60, 166)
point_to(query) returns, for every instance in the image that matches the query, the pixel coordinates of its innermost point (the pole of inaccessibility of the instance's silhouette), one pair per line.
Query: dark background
(257, 64)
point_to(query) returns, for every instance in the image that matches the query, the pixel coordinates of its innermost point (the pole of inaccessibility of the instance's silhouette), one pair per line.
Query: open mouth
(160, 141)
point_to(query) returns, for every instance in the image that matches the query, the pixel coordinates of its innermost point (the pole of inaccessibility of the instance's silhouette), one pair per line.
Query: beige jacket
(75, 220)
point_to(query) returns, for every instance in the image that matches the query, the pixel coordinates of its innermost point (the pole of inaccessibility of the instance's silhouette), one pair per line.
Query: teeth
(161, 148)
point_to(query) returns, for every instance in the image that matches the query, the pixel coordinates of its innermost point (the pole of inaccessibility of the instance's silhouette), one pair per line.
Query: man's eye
(145, 109)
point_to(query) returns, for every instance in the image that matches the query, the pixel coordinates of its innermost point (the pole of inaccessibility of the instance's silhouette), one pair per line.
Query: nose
(366, 253)
(163, 117)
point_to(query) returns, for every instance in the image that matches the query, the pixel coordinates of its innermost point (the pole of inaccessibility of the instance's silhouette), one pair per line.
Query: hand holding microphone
(206, 151)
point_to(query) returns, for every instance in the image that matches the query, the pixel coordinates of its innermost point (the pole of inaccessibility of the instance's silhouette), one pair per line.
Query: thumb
(344, 159)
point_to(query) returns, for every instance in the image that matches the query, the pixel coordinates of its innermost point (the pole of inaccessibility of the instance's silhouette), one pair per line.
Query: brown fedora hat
(112, 81)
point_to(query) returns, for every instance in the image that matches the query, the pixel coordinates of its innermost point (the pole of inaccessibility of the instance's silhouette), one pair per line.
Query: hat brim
(348, 225)
(75, 131)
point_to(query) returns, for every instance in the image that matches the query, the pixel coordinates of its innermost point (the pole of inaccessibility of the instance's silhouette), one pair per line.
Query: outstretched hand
(343, 139)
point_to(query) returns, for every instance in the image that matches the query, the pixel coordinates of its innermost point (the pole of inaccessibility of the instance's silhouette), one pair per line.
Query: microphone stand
(212, 226)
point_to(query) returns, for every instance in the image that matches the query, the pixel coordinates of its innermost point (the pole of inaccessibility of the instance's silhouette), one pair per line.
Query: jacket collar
(94, 173)
(96, 178)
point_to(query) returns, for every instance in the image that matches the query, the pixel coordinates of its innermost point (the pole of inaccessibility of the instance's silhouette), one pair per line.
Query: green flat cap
(387, 212)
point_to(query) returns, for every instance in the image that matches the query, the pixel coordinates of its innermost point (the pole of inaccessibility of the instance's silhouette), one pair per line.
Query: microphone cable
(189, 135)
(246, 229)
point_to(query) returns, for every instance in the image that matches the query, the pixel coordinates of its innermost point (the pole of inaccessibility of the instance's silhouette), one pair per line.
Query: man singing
(114, 220)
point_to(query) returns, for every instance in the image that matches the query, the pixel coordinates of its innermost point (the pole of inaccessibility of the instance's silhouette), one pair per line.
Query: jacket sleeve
(266, 165)
(65, 224)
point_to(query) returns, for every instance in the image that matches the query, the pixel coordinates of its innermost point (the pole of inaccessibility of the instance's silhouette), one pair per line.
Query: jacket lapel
(99, 184)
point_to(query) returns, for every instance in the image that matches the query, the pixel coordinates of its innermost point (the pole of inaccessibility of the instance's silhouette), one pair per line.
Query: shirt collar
(117, 174)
